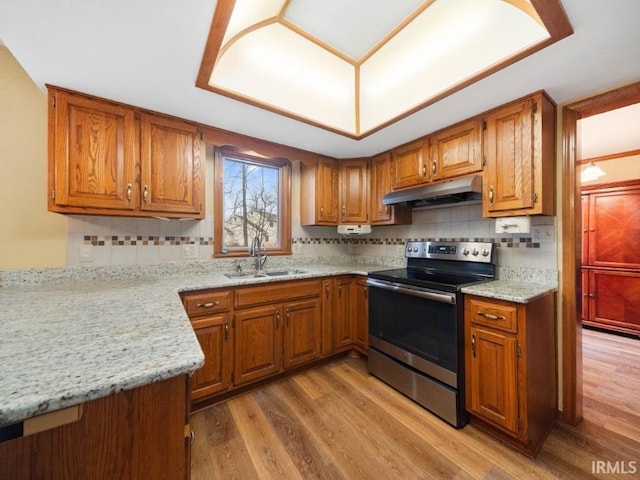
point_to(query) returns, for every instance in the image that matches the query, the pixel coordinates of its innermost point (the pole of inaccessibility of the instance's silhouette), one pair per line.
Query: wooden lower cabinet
(511, 369)
(250, 333)
(258, 343)
(611, 299)
(343, 325)
(361, 300)
(216, 340)
(137, 434)
(302, 332)
(329, 295)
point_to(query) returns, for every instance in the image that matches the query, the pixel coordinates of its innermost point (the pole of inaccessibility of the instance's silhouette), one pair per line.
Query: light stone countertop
(68, 341)
(513, 291)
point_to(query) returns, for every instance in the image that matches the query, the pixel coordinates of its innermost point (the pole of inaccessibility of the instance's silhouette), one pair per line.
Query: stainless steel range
(416, 322)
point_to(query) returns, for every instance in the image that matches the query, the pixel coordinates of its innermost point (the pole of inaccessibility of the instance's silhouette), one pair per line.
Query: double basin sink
(266, 274)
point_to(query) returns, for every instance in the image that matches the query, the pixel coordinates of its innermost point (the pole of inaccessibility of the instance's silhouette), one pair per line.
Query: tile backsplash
(100, 241)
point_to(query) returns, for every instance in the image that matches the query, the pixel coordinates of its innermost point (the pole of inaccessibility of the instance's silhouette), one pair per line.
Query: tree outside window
(252, 197)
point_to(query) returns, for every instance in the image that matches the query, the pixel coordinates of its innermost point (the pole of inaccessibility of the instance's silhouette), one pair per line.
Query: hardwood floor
(336, 421)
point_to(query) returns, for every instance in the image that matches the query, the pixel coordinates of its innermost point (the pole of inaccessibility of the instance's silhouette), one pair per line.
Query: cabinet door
(302, 332)
(379, 186)
(92, 153)
(354, 191)
(614, 219)
(361, 332)
(585, 229)
(409, 165)
(326, 191)
(171, 172)
(584, 297)
(343, 331)
(258, 343)
(509, 150)
(214, 336)
(492, 377)
(328, 314)
(456, 150)
(614, 300)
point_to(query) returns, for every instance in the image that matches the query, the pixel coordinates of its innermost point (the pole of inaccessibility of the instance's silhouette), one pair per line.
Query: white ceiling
(127, 51)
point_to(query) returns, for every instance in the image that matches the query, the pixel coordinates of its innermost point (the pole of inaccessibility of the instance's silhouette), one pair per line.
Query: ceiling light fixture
(591, 173)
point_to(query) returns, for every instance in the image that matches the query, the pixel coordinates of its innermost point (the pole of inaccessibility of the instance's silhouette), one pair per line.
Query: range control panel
(481, 252)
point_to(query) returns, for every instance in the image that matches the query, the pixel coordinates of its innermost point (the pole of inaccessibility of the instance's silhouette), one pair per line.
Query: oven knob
(465, 251)
(415, 249)
(475, 252)
(485, 252)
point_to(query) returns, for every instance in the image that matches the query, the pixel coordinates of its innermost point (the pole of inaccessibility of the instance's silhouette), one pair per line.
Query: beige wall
(30, 236)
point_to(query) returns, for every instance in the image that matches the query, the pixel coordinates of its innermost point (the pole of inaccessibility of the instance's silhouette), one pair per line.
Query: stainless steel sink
(239, 274)
(266, 274)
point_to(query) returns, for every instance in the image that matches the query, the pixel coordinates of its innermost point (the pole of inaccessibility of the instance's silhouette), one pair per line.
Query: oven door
(416, 326)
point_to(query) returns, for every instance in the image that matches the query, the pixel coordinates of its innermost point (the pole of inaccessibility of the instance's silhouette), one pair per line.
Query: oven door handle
(427, 294)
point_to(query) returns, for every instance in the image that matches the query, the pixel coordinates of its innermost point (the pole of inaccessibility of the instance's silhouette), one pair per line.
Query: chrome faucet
(254, 251)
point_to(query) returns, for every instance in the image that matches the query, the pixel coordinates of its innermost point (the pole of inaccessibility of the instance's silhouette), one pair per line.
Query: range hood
(466, 189)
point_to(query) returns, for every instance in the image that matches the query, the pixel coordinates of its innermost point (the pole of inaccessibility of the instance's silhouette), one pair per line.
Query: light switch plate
(86, 253)
(190, 251)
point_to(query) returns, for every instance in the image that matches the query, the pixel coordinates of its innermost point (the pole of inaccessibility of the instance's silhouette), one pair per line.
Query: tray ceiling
(321, 63)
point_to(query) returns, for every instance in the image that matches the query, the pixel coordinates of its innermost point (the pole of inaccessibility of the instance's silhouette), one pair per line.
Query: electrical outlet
(190, 251)
(543, 233)
(86, 253)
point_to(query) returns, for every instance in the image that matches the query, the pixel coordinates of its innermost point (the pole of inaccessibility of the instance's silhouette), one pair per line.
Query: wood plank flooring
(336, 421)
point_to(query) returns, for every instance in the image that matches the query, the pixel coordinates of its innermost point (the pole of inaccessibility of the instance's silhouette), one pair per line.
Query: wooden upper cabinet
(319, 192)
(354, 191)
(92, 154)
(107, 158)
(170, 165)
(613, 221)
(409, 165)
(519, 148)
(380, 185)
(456, 150)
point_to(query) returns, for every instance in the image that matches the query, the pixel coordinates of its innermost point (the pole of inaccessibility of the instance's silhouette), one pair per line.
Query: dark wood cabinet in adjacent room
(610, 261)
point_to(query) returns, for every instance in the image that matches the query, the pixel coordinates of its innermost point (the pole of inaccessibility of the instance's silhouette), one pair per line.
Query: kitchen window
(252, 196)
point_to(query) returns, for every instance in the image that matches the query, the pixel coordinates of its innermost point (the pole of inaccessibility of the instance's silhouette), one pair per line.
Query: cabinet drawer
(205, 303)
(276, 292)
(493, 313)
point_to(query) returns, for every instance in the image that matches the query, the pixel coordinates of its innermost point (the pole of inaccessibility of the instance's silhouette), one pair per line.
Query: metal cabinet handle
(288, 318)
(326, 289)
(473, 344)
(145, 194)
(129, 192)
(424, 169)
(321, 209)
(366, 293)
(491, 317)
(277, 319)
(434, 166)
(491, 195)
(226, 330)
(192, 437)
(208, 305)
(339, 290)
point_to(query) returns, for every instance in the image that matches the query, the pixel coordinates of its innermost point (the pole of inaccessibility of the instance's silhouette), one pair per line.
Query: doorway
(572, 241)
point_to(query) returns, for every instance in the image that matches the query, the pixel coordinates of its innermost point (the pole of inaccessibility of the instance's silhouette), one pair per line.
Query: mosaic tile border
(159, 240)
(137, 240)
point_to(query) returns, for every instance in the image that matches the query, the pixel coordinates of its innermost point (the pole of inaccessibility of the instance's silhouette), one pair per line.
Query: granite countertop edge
(512, 291)
(71, 342)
